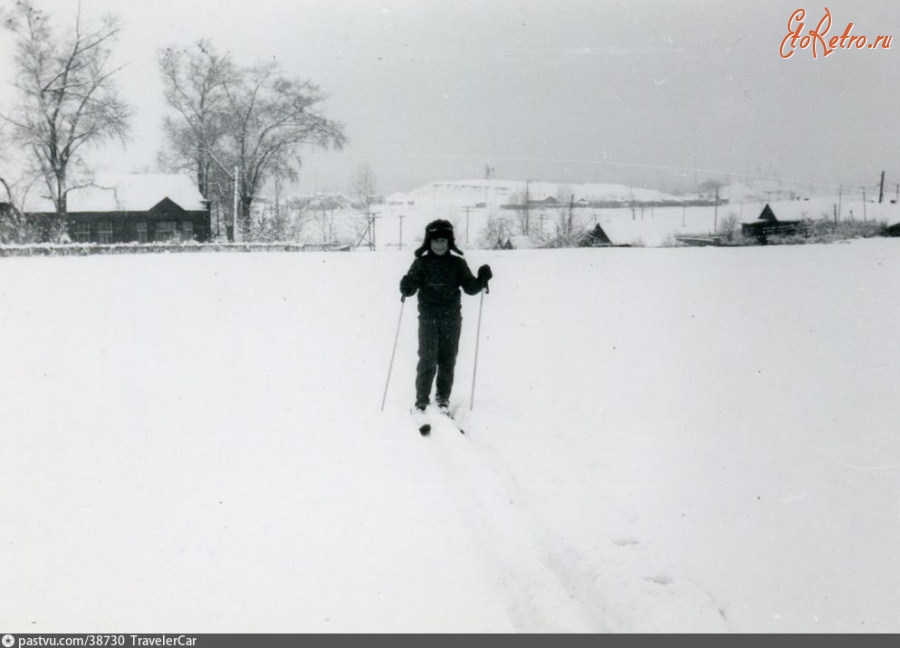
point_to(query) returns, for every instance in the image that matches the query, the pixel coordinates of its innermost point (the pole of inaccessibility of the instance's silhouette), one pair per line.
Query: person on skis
(437, 275)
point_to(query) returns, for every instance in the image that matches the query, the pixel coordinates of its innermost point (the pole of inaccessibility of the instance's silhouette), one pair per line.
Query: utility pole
(369, 234)
(881, 190)
(237, 200)
(401, 232)
(716, 212)
(467, 220)
(527, 208)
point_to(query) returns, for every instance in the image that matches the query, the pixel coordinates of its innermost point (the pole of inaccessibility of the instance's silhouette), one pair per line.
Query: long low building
(141, 208)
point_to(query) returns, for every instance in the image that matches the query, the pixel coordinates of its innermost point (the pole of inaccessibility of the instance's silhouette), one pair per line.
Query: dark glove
(407, 286)
(485, 274)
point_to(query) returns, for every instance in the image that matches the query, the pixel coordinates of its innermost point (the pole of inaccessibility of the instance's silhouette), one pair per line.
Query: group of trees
(66, 99)
(231, 123)
(228, 123)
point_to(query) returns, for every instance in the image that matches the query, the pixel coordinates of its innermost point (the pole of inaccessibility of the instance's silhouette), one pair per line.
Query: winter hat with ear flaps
(439, 229)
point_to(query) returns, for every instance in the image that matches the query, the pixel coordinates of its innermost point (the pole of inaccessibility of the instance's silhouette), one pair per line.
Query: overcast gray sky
(650, 92)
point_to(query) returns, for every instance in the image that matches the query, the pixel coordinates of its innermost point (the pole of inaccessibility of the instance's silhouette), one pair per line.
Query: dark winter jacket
(438, 280)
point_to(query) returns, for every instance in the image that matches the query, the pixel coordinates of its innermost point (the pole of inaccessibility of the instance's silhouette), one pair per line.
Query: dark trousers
(438, 347)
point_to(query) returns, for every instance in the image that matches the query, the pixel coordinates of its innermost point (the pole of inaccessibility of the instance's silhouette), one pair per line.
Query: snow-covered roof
(129, 192)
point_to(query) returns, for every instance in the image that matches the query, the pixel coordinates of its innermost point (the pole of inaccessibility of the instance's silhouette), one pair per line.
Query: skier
(437, 275)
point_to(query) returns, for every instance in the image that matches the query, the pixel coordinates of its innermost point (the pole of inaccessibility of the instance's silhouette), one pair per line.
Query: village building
(768, 224)
(141, 208)
(596, 238)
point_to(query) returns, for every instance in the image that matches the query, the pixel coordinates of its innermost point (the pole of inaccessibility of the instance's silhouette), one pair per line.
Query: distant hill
(499, 193)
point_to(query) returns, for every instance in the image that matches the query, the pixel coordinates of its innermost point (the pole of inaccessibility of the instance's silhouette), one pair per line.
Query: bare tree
(495, 231)
(364, 187)
(364, 194)
(282, 218)
(15, 227)
(270, 118)
(565, 221)
(569, 232)
(255, 120)
(12, 218)
(194, 83)
(297, 217)
(323, 221)
(275, 221)
(525, 215)
(66, 98)
(729, 227)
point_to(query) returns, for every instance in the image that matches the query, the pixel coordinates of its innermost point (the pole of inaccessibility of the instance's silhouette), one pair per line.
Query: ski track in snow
(550, 584)
(535, 596)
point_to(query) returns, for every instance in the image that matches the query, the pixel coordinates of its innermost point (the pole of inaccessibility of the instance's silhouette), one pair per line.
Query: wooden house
(134, 208)
(768, 224)
(596, 238)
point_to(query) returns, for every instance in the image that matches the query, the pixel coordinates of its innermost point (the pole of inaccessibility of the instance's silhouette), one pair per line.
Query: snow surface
(662, 440)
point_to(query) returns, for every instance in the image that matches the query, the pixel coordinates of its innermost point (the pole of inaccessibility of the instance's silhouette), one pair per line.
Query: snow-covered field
(662, 440)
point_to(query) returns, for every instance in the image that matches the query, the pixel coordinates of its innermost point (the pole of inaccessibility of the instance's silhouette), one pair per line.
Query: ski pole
(477, 339)
(393, 351)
